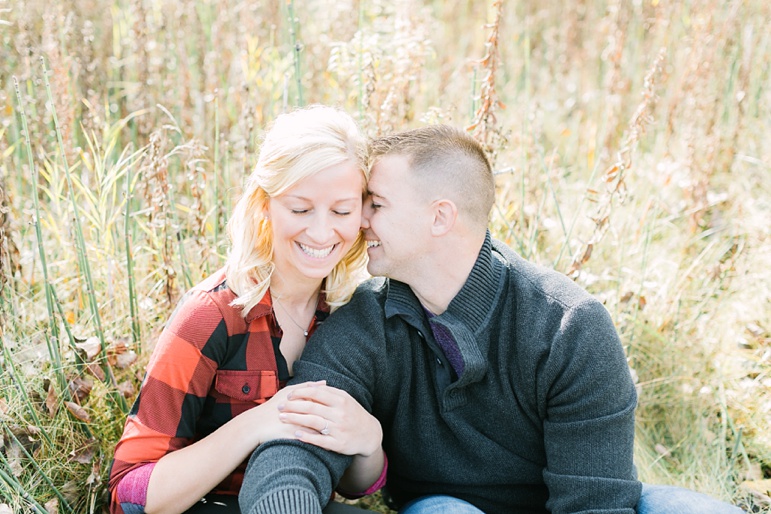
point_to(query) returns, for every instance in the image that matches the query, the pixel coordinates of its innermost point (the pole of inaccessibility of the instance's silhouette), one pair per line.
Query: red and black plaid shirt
(210, 365)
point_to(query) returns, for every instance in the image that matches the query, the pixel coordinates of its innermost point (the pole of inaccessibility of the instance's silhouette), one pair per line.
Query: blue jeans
(655, 499)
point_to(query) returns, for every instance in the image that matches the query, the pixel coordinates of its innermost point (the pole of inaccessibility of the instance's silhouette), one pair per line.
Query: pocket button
(246, 389)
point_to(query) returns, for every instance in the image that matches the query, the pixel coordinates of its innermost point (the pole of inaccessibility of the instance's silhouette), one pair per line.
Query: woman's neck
(299, 294)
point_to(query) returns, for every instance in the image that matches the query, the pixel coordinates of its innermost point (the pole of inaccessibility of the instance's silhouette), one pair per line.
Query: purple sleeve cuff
(376, 486)
(132, 488)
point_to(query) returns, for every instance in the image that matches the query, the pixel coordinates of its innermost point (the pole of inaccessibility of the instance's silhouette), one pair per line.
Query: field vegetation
(631, 140)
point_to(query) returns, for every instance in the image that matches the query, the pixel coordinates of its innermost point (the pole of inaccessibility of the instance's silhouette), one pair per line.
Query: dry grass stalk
(386, 65)
(615, 175)
(615, 83)
(154, 186)
(57, 25)
(484, 127)
(196, 180)
(9, 253)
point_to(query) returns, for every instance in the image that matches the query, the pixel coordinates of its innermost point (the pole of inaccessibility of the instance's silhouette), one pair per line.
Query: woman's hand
(267, 424)
(331, 419)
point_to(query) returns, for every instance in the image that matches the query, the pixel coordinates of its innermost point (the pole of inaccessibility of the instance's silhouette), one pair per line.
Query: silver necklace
(305, 330)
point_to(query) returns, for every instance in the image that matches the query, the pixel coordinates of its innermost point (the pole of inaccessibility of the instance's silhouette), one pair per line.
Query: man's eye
(375, 205)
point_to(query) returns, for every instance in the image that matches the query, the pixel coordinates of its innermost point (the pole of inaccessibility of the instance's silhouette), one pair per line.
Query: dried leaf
(124, 360)
(585, 256)
(126, 388)
(626, 297)
(72, 491)
(759, 489)
(96, 370)
(78, 411)
(81, 388)
(118, 346)
(754, 329)
(83, 455)
(611, 173)
(52, 506)
(52, 400)
(14, 456)
(90, 347)
(642, 302)
(3, 408)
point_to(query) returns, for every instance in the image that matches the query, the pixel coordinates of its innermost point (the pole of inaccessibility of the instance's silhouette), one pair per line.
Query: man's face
(396, 220)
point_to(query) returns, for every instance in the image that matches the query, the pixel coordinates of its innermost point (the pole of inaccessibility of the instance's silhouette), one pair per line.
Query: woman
(213, 389)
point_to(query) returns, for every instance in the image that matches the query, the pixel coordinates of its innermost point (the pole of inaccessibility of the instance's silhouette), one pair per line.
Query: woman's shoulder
(207, 302)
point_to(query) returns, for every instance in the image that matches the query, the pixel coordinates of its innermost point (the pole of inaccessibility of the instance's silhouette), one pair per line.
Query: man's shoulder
(368, 293)
(366, 301)
(537, 282)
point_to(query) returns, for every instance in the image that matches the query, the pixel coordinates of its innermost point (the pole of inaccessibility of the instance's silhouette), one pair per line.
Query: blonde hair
(449, 161)
(297, 145)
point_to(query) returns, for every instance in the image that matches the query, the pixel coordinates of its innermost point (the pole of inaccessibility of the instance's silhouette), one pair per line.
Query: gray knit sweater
(540, 420)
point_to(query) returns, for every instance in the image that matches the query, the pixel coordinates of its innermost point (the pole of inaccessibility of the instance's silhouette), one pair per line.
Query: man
(500, 386)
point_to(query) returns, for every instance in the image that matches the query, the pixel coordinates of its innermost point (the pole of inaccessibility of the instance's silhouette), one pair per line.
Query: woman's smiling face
(316, 222)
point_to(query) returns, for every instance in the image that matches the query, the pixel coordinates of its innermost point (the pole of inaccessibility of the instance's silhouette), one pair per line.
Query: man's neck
(451, 267)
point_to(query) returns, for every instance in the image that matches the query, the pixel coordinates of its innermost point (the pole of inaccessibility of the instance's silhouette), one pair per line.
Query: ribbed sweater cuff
(295, 502)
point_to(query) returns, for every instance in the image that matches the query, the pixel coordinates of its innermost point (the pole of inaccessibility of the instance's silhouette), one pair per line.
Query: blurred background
(632, 146)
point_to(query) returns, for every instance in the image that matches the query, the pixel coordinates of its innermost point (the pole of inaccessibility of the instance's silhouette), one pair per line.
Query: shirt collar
(471, 306)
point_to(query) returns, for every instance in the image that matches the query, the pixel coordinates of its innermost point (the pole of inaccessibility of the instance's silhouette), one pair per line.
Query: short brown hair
(451, 162)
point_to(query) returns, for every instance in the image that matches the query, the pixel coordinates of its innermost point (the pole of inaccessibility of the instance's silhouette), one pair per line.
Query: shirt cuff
(132, 488)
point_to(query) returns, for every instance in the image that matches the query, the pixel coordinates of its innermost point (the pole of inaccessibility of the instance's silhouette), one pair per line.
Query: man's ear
(445, 215)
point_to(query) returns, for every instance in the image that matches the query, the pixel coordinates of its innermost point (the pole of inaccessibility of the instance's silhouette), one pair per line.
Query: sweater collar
(471, 306)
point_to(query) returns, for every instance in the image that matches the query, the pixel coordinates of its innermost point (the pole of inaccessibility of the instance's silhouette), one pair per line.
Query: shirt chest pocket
(246, 386)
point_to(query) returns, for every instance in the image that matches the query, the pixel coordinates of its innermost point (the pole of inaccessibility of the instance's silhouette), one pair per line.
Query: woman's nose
(320, 229)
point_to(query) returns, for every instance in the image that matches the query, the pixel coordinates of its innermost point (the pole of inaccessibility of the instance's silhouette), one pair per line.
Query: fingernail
(281, 406)
(282, 416)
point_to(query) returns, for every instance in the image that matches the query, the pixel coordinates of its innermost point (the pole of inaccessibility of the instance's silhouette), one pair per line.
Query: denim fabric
(439, 504)
(655, 499)
(664, 499)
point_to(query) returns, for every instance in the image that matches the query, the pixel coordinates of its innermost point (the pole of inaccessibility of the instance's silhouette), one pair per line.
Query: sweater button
(246, 389)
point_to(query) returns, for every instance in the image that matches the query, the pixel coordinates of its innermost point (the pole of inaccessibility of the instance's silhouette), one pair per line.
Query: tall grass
(630, 141)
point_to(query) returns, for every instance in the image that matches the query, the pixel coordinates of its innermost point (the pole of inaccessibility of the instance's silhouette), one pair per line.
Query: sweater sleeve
(291, 476)
(588, 426)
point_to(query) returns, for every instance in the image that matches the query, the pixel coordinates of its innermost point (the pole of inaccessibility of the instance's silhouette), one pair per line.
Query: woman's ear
(445, 215)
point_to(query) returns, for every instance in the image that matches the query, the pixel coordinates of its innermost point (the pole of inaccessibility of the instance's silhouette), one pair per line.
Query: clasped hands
(327, 417)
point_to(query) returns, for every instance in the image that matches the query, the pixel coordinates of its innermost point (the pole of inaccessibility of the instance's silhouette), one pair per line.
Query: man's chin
(374, 270)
